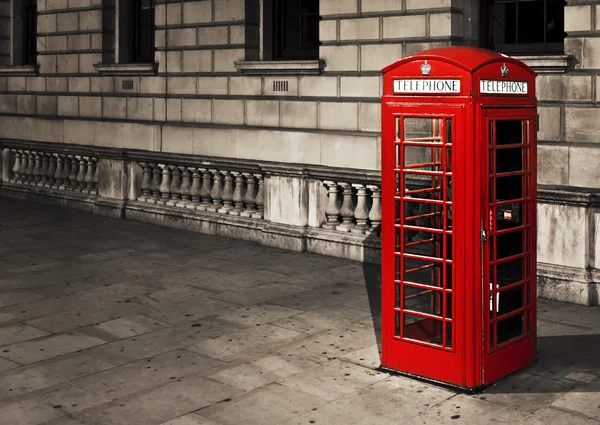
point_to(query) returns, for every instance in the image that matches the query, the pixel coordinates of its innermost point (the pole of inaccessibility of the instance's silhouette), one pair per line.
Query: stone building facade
(260, 119)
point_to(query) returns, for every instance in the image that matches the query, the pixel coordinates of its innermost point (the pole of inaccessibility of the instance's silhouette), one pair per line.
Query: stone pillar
(347, 209)
(227, 193)
(194, 189)
(361, 212)
(66, 182)
(249, 196)
(164, 185)
(215, 193)
(23, 169)
(205, 190)
(96, 173)
(155, 184)
(60, 162)
(44, 170)
(89, 175)
(17, 166)
(260, 197)
(74, 172)
(174, 187)
(332, 212)
(36, 168)
(51, 171)
(238, 194)
(81, 173)
(30, 165)
(185, 188)
(146, 181)
(375, 212)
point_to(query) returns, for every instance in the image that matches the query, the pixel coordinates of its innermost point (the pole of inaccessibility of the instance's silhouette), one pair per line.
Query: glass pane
(509, 244)
(310, 35)
(509, 132)
(491, 336)
(423, 300)
(448, 276)
(510, 328)
(291, 7)
(423, 158)
(449, 305)
(555, 11)
(531, 22)
(430, 247)
(310, 6)
(423, 215)
(397, 324)
(397, 303)
(503, 23)
(424, 272)
(510, 187)
(422, 329)
(509, 272)
(508, 160)
(291, 35)
(449, 130)
(423, 187)
(422, 129)
(510, 300)
(449, 334)
(448, 247)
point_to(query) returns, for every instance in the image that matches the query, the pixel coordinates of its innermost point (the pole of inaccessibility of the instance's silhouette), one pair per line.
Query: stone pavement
(113, 322)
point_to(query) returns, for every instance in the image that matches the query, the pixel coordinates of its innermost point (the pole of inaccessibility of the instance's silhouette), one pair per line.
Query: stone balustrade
(353, 207)
(203, 189)
(67, 172)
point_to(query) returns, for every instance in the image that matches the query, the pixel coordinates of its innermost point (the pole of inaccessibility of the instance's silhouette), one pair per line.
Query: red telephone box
(459, 216)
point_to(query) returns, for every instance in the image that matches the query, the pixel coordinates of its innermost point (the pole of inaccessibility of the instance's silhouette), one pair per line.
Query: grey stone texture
(106, 322)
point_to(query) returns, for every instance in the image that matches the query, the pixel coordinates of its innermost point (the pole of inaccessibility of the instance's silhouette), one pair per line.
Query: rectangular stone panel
(340, 58)
(197, 61)
(553, 165)
(360, 87)
(578, 18)
(196, 110)
(263, 113)
(338, 116)
(359, 29)
(227, 111)
(197, 11)
(381, 6)
(299, 114)
(583, 166)
(375, 57)
(550, 120)
(337, 7)
(561, 235)
(408, 26)
(114, 107)
(328, 30)
(318, 86)
(583, 125)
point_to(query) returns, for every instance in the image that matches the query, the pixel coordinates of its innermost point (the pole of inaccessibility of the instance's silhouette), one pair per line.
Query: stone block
(160, 14)
(46, 23)
(3, 84)
(360, 87)
(90, 20)
(79, 42)
(214, 142)
(590, 58)
(160, 40)
(445, 25)
(559, 243)
(412, 48)
(68, 106)
(328, 30)
(283, 192)
(578, 18)
(173, 109)
(67, 64)
(408, 26)
(46, 105)
(225, 58)
(35, 84)
(338, 116)
(583, 166)
(318, 86)
(381, 6)
(369, 117)
(338, 7)
(152, 85)
(174, 62)
(140, 108)
(246, 86)
(552, 167)
(181, 85)
(564, 87)
(197, 61)
(103, 84)
(212, 85)
(56, 84)
(550, 119)
(228, 111)
(181, 37)
(237, 34)
(126, 135)
(196, 110)
(25, 104)
(262, 113)
(359, 29)
(178, 139)
(278, 146)
(114, 107)
(160, 109)
(211, 36)
(79, 132)
(67, 22)
(79, 84)
(174, 13)
(299, 114)
(56, 4)
(96, 41)
(195, 12)
(16, 83)
(583, 125)
(87, 62)
(48, 64)
(90, 106)
(340, 58)
(428, 4)
(8, 103)
(349, 151)
(229, 10)
(56, 43)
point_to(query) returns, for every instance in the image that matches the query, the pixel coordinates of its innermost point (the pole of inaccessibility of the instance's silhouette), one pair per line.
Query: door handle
(483, 235)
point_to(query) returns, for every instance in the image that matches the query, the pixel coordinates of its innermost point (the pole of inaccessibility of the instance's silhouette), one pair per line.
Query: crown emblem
(504, 70)
(425, 68)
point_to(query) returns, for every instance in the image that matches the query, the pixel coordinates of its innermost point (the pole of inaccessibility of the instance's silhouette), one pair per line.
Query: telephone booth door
(426, 299)
(509, 240)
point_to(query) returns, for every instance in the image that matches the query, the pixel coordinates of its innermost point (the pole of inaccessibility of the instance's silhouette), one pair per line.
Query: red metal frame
(435, 299)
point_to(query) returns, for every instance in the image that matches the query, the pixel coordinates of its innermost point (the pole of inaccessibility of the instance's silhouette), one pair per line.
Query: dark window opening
(30, 33)
(524, 26)
(142, 31)
(296, 30)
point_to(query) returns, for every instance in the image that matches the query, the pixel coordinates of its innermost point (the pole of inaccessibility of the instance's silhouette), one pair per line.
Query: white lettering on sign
(502, 87)
(426, 86)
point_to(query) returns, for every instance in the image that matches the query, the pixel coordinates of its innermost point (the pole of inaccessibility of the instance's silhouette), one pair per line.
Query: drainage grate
(280, 86)
(127, 84)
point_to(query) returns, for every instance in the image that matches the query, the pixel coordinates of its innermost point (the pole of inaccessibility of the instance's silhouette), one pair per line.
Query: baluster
(66, 173)
(164, 185)
(16, 167)
(60, 162)
(30, 166)
(205, 191)
(227, 193)
(260, 197)
(146, 193)
(89, 176)
(23, 169)
(184, 189)
(375, 212)
(238, 194)
(81, 173)
(332, 211)
(347, 209)
(155, 185)
(215, 192)
(74, 171)
(51, 170)
(194, 189)
(36, 168)
(43, 169)
(249, 196)
(361, 212)
(174, 186)
(94, 191)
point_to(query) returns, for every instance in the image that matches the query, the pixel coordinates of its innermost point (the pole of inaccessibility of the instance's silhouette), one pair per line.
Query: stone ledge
(300, 67)
(127, 68)
(568, 284)
(569, 195)
(19, 70)
(546, 64)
